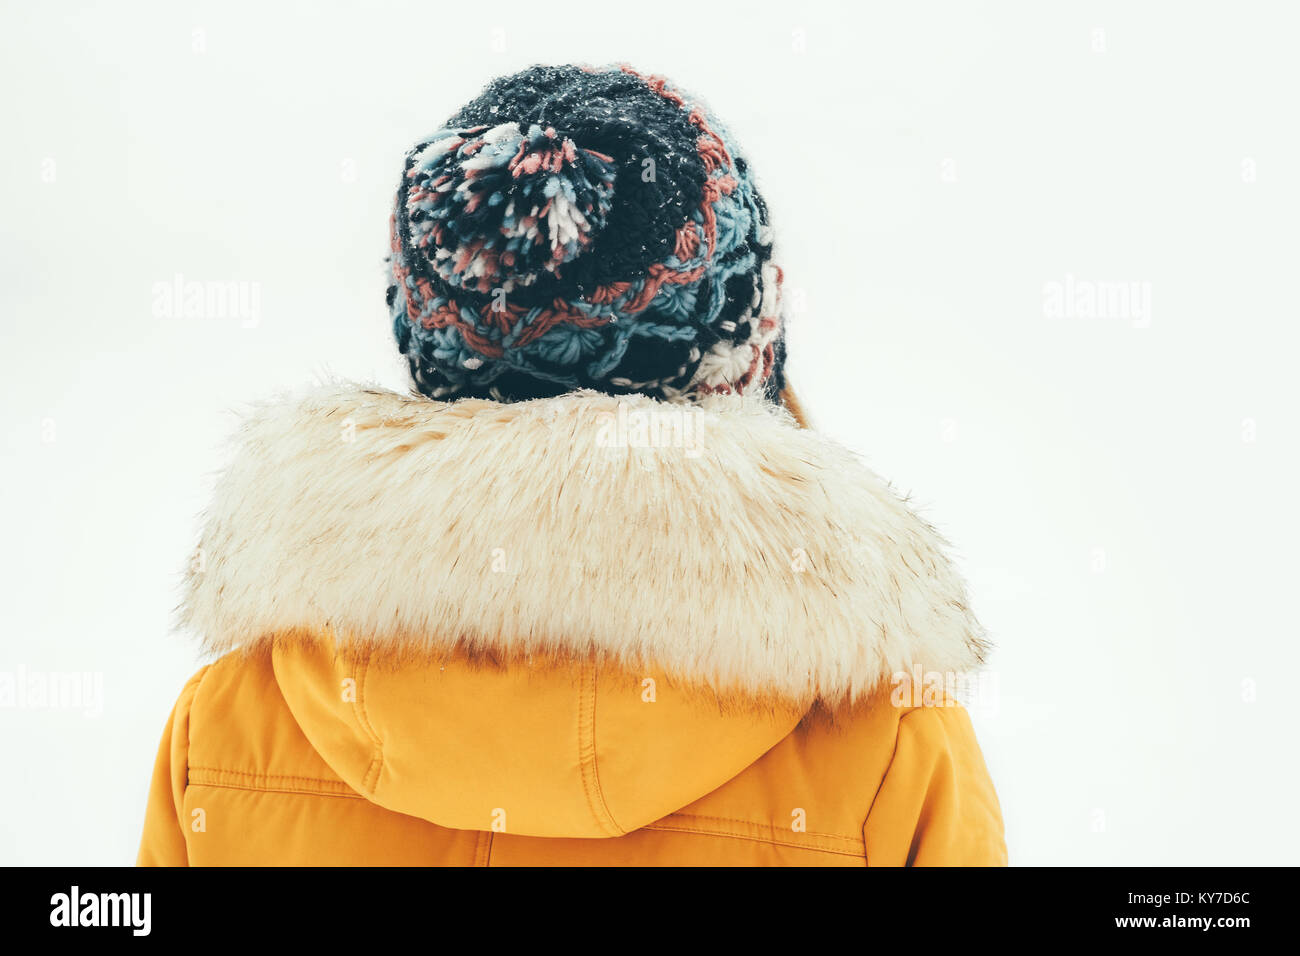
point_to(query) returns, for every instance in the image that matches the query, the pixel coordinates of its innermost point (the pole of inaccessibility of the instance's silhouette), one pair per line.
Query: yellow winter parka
(586, 630)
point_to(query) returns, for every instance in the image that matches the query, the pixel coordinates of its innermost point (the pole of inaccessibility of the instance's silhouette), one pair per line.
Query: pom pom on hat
(497, 206)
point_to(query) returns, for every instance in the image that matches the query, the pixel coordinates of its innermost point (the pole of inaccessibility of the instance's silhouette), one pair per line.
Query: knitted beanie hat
(583, 228)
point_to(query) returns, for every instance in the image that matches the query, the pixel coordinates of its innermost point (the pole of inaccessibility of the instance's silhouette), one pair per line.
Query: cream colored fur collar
(720, 542)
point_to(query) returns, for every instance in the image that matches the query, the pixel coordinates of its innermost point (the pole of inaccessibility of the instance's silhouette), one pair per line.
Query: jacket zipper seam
(850, 843)
(699, 831)
(282, 790)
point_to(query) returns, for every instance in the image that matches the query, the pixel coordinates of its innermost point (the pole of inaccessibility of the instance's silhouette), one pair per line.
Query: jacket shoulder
(878, 782)
(812, 791)
(243, 734)
(936, 805)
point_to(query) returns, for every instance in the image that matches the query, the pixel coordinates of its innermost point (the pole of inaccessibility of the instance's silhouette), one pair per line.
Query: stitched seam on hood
(587, 755)
(371, 780)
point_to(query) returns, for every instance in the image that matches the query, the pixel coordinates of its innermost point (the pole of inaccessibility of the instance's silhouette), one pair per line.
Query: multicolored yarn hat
(583, 228)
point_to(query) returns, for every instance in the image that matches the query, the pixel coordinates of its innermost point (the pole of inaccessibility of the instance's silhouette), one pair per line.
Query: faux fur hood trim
(720, 542)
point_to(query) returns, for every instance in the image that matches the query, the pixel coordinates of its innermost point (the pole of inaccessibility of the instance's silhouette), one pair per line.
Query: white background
(1121, 494)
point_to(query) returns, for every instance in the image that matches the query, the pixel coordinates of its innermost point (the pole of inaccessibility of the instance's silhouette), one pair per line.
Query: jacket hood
(568, 750)
(469, 602)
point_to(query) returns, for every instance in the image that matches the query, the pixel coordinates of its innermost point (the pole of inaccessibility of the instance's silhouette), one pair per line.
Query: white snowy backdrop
(952, 184)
